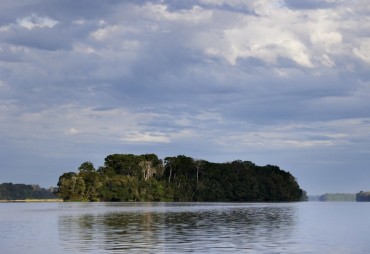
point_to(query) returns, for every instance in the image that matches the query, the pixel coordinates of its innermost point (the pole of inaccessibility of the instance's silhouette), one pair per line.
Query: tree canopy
(129, 177)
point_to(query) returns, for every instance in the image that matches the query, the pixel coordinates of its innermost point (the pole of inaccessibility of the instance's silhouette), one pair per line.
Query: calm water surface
(184, 228)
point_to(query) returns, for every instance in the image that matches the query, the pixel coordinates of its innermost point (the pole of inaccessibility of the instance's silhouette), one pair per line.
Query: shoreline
(32, 200)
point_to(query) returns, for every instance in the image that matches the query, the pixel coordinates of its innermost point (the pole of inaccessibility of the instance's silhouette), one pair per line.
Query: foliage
(10, 191)
(128, 177)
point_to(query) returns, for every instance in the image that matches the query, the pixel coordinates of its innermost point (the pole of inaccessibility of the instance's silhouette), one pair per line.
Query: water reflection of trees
(148, 230)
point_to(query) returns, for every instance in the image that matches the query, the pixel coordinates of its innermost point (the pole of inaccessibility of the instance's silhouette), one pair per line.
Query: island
(363, 196)
(129, 177)
(342, 197)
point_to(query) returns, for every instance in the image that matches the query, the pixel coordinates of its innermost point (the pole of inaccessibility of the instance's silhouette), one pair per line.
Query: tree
(151, 166)
(87, 167)
(124, 164)
(71, 187)
(198, 165)
(128, 177)
(93, 183)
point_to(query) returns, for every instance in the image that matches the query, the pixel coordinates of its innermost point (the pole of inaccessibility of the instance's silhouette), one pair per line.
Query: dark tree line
(128, 177)
(10, 191)
(363, 196)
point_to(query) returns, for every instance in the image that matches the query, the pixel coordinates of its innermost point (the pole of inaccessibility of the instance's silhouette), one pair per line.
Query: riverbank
(32, 200)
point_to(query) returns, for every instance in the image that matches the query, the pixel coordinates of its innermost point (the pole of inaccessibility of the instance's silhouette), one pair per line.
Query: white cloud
(146, 138)
(311, 38)
(266, 37)
(326, 39)
(72, 131)
(110, 32)
(193, 16)
(363, 50)
(35, 21)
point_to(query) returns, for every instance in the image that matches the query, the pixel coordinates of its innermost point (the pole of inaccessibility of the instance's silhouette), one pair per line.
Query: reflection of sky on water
(170, 228)
(309, 227)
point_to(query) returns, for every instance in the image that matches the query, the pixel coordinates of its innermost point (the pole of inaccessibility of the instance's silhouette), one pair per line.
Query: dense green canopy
(128, 177)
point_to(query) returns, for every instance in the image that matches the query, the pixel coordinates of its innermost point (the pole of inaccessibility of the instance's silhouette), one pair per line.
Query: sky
(277, 82)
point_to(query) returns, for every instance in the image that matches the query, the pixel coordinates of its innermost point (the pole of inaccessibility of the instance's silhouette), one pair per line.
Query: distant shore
(32, 200)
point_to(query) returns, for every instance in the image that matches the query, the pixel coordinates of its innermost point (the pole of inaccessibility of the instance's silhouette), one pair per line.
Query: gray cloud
(313, 4)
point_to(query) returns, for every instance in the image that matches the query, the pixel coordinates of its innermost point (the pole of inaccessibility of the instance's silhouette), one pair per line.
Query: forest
(10, 191)
(363, 196)
(129, 177)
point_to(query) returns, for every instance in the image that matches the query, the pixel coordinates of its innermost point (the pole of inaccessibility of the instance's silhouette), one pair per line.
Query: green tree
(125, 164)
(71, 187)
(86, 167)
(92, 181)
(128, 177)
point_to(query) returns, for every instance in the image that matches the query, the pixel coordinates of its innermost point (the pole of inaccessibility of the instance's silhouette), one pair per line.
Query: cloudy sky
(269, 81)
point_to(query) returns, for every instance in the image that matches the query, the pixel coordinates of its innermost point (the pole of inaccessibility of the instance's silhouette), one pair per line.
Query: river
(308, 227)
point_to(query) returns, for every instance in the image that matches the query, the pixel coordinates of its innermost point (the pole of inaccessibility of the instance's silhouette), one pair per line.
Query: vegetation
(10, 191)
(128, 177)
(363, 196)
(342, 197)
